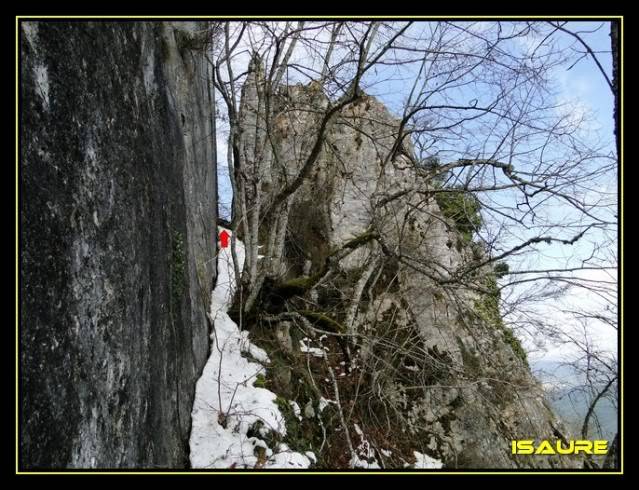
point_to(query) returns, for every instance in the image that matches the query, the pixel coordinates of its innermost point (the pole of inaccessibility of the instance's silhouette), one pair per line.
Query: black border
(435, 13)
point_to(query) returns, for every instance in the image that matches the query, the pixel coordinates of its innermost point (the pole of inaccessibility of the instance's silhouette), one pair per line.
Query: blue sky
(582, 88)
(585, 82)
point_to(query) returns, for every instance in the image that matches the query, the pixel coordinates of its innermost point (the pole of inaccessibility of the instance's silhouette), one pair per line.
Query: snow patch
(296, 409)
(323, 403)
(285, 458)
(314, 351)
(365, 456)
(227, 405)
(423, 462)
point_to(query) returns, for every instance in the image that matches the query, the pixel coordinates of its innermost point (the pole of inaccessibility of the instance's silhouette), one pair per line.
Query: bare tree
(499, 161)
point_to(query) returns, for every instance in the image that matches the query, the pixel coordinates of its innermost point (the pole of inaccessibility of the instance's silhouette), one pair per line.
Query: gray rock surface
(117, 216)
(467, 392)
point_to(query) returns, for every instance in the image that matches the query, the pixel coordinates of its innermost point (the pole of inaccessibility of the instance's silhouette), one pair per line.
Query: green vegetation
(353, 243)
(293, 435)
(301, 435)
(501, 269)
(515, 344)
(297, 286)
(463, 209)
(487, 309)
(260, 381)
(323, 321)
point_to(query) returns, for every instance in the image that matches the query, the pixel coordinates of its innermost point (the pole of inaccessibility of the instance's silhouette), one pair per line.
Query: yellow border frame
(319, 17)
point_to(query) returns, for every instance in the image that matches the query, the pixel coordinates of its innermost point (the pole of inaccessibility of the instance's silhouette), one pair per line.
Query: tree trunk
(614, 43)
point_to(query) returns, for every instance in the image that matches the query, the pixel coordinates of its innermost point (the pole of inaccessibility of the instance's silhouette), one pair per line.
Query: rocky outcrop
(371, 254)
(117, 233)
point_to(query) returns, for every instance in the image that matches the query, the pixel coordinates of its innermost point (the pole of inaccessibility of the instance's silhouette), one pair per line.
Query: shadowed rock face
(117, 215)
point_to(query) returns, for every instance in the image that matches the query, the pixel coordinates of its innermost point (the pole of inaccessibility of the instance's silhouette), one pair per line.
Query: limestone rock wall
(462, 388)
(117, 217)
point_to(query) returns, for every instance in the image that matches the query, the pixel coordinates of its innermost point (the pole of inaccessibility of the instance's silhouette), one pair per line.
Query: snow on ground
(314, 351)
(365, 456)
(226, 403)
(296, 409)
(426, 462)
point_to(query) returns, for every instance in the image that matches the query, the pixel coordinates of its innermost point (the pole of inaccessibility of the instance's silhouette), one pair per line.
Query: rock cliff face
(370, 254)
(382, 353)
(117, 217)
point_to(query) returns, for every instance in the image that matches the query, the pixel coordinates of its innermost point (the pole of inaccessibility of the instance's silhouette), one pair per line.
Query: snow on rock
(314, 351)
(296, 409)
(423, 461)
(226, 403)
(323, 403)
(285, 458)
(365, 456)
(357, 462)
